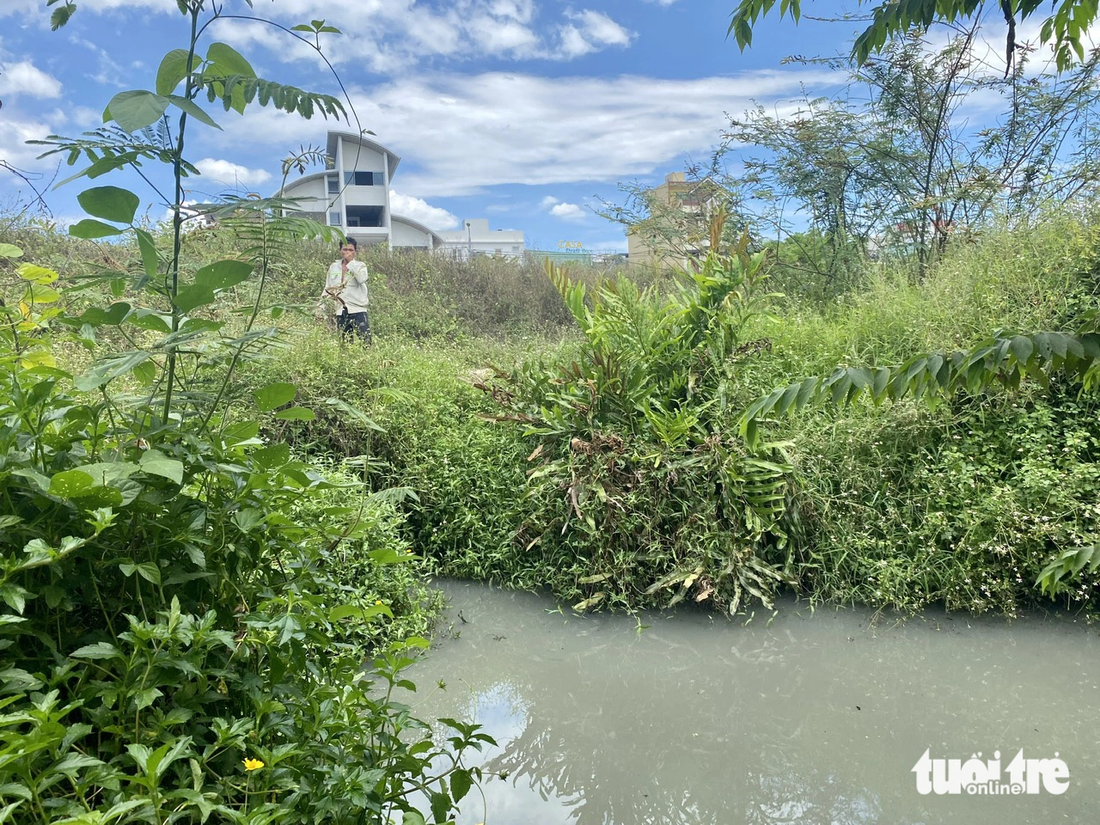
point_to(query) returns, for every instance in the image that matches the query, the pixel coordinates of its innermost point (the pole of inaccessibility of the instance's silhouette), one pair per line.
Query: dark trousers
(353, 323)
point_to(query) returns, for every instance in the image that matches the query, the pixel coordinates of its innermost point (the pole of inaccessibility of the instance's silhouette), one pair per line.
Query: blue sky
(525, 112)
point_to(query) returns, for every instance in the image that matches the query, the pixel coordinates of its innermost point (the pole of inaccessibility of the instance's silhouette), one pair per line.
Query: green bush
(187, 609)
(964, 507)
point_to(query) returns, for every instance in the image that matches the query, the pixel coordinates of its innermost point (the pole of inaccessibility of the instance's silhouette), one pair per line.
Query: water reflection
(812, 720)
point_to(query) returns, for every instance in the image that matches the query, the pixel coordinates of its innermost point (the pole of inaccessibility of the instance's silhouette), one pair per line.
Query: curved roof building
(354, 194)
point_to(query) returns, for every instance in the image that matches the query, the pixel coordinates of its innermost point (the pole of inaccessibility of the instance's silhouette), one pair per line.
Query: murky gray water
(815, 718)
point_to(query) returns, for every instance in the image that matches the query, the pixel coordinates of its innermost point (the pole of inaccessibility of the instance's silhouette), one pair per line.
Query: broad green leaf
(90, 230)
(274, 395)
(412, 818)
(37, 274)
(223, 274)
(109, 370)
(248, 519)
(110, 203)
(387, 555)
(241, 431)
(17, 679)
(148, 248)
(173, 69)
(37, 358)
(145, 698)
(225, 60)
(296, 414)
(193, 110)
(36, 293)
(136, 109)
(147, 570)
(71, 483)
(460, 784)
(441, 805)
(157, 463)
(100, 650)
(349, 611)
(151, 320)
(145, 373)
(11, 790)
(7, 250)
(269, 457)
(114, 315)
(74, 762)
(192, 297)
(110, 472)
(61, 15)
(200, 325)
(344, 611)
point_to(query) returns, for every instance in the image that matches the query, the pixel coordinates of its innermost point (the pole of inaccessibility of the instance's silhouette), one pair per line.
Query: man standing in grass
(345, 294)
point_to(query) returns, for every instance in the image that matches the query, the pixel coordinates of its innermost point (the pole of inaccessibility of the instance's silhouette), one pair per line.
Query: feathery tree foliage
(1063, 29)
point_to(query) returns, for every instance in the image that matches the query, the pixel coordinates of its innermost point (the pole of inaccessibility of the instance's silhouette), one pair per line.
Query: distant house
(476, 238)
(354, 195)
(676, 228)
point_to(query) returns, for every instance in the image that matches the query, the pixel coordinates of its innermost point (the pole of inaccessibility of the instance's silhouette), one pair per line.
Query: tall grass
(898, 506)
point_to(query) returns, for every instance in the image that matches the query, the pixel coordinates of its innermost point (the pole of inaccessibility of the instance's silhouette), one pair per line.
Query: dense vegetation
(218, 519)
(180, 599)
(197, 625)
(539, 459)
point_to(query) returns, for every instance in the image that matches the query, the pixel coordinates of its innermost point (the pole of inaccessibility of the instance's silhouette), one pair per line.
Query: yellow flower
(253, 764)
(378, 603)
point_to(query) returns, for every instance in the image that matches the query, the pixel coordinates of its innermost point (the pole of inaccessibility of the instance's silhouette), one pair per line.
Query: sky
(531, 113)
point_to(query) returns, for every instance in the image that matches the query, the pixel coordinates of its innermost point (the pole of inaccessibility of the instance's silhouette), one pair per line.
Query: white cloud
(549, 200)
(24, 7)
(419, 210)
(457, 138)
(14, 133)
(23, 78)
(600, 29)
(573, 43)
(521, 10)
(504, 37)
(629, 125)
(393, 36)
(86, 117)
(592, 31)
(36, 12)
(231, 174)
(569, 212)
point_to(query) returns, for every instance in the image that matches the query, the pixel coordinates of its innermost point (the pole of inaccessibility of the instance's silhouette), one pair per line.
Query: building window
(363, 178)
(333, 185)
(334, 219)
(366, 216)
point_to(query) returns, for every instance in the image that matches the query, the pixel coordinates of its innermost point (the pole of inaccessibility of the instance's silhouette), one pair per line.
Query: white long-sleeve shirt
(348, 289)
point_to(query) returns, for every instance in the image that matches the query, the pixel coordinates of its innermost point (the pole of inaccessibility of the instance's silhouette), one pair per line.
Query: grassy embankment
(900, 505)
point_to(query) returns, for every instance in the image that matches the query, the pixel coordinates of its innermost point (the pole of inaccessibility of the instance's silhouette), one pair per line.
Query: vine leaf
(135, 109)
(91, 230)
(173, 69)
(110, 203)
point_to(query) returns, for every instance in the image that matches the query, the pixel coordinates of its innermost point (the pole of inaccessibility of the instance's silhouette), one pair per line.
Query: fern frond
(1003, 360)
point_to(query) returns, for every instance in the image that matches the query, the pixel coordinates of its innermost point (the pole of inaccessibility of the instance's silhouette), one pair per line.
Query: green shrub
(964, 507)
(183, 601)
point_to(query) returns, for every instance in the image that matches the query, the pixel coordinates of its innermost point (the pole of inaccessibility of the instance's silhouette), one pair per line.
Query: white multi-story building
(476, 238)
(354, 195)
